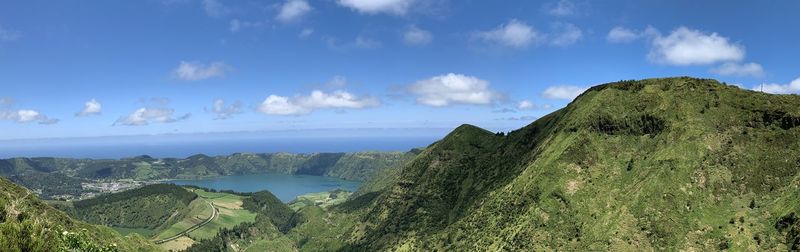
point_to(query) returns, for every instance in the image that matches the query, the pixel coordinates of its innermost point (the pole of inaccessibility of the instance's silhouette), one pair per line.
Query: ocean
(181, 146)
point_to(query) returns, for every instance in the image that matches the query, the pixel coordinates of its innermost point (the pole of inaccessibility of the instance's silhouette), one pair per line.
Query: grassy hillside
(28, 224)
(272, 219)
(672, 164)
(149, 207)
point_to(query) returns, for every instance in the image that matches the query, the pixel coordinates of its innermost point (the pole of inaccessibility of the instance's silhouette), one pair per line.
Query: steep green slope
(28, 224)
(672, 164)
(150, 207)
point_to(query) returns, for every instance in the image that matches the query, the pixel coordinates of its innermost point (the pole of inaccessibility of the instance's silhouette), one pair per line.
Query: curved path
(214, 214)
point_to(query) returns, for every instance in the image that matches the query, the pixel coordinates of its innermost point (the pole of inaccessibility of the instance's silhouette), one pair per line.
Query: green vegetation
(197, 211)
(321, 199)
(148, 207)
(270, 209)
(657, 164)
(231, 214)
(28, 224)
(62, 177)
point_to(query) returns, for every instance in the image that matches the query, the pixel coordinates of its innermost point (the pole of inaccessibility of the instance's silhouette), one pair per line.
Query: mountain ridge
(665, 163)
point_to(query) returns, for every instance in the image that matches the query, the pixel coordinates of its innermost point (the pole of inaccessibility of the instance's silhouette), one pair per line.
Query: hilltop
(666, 164)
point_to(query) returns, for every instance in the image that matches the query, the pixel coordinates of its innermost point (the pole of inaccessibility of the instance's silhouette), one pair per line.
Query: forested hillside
(149, 207)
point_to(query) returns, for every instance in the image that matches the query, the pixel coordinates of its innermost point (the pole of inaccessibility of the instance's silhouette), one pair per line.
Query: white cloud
(214, 8)
(8, 35)
(736, 69)
(621, 34)
(223, 112)
(773, 88)
(7, 113)
(191, 71)
(300, 105)
(91, 107)
(685, 46)
(562, 92)
(565, 34)
(26, 116)
(305, 33)
(514, 34)
(146, 115)
(562, 8)
(444, 90)
(416, 36)
(526, 104)
(396, 7)
(293, 10)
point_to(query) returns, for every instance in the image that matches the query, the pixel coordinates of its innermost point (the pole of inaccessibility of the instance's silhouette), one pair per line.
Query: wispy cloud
(293, 10)
(237, 25)
(214, 8)
(774, 88)
(193, 71)
(222, 112)
(561, 8)
(620, 34)
(564, 34)
(735, 69)
(8, 34)
(413, 35)
(367, 43)
(360, 42)
(514, 34)
(518, 118)
(564, 92)
(305, 33)
(156, 110)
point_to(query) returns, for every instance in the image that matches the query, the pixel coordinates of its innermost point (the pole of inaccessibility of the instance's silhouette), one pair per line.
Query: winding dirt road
(214, 214)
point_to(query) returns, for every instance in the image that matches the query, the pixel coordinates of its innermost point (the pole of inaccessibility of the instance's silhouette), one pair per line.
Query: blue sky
(108, 68)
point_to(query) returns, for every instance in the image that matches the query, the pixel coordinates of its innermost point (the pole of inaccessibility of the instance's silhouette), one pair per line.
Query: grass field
(142, 231)
(321, 199)
(280, 244)
(200, 211)
(230, 215)
(177, 244)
